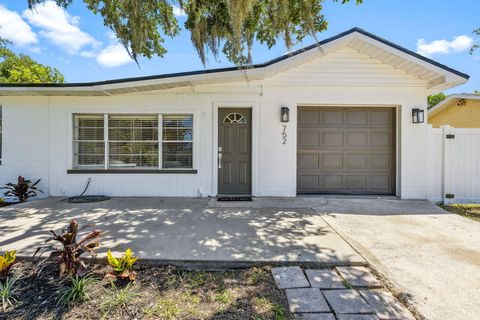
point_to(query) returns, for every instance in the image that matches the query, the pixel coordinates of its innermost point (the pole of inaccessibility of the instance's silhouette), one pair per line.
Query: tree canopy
(435, 99)
(23, 69)
(228, 26)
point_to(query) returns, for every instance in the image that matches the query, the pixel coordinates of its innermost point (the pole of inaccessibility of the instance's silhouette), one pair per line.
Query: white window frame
(73, 141)
(175, 141)
(160, 140)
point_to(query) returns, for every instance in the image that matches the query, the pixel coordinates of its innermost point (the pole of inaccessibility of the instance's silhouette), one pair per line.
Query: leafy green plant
(7, 260)
(23, 189)
(122, 267)
(7, 292)
(77, 291)
(68, 255)
(118, 298)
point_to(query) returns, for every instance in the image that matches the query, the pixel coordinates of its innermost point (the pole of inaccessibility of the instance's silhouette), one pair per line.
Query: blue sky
(76, 42)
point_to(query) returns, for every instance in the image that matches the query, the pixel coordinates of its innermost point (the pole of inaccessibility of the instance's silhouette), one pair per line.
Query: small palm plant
(23, 189)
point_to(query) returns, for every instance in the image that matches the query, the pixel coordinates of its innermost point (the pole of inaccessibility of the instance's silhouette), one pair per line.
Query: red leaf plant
(68, 255)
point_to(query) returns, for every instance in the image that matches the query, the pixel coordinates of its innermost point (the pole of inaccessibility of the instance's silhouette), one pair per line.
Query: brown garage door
(346, 150)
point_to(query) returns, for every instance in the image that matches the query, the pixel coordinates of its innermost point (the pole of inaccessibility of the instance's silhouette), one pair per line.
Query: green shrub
(7, 292)
(77, 291)
(122, 267)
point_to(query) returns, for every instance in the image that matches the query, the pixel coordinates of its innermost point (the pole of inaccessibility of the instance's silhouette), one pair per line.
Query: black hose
(86, 187)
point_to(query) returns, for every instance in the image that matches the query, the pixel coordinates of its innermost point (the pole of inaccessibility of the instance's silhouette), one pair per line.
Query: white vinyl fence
(454, 165)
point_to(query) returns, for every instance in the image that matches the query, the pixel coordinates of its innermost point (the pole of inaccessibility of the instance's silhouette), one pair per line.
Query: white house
(347, 105)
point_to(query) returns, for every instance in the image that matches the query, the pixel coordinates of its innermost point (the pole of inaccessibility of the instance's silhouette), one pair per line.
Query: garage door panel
(380, 139)
(355, 118)
(380, 118)
(308, 183)
(308, 161)
(332, 183)
(308, 139)
(379, 161)
(357, 138)
(346, 150)
(380, 184)
(307, 117)
(332, 161)
(331, 118)
(355, 161)
(332, 139)
(356, 184)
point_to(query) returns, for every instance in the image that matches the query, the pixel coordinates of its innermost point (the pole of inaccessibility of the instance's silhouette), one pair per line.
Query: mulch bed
(158, 293)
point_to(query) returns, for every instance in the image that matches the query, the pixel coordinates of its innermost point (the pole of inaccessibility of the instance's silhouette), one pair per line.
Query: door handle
(219, 157)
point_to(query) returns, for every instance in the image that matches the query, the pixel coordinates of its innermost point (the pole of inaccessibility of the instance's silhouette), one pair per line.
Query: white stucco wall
(37, 130)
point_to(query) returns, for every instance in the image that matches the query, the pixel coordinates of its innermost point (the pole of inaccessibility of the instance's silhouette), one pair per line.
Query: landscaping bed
(157, 293)
(471, 211)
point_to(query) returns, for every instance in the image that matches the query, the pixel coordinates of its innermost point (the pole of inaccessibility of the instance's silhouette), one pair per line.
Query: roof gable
(435, 75)
(450, 101)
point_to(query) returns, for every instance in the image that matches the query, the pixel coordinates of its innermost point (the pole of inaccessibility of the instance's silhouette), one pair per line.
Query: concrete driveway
(187, 231)
(430, 255)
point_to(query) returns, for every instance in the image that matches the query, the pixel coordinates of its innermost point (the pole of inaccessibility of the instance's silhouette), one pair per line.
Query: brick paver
(324, 279)
(290, 277)
(304, 300)
(385, 305)
(359, 277)
(320, 294)
(346, 301)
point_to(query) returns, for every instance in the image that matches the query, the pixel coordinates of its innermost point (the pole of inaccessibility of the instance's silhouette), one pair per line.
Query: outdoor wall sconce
(417, 116)
(284, 114)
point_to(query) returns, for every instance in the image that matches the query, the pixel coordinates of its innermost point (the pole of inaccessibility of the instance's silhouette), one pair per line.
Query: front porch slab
(185, 231)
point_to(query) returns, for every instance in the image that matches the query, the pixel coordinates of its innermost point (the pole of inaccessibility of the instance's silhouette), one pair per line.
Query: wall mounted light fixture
(284, 114)
(418, 115)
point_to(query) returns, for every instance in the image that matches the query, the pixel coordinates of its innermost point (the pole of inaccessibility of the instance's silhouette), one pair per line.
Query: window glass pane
(88, 143)
(177, 127)
(133, 141)
(177, 155)
(177, 134)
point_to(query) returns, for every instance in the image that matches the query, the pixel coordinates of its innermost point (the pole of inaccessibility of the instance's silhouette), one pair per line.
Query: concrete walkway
(433, 257)
(188, 231)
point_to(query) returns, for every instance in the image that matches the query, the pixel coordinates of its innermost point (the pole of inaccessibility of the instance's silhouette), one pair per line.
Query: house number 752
(284, 134)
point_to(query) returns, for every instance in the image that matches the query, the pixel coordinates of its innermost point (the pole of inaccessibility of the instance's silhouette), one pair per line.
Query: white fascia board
(450, 77)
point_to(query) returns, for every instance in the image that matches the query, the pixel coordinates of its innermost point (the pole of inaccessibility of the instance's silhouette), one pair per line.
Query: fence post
(446, 165)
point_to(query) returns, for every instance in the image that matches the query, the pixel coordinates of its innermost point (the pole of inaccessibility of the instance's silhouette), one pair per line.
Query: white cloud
(59, 27)
(113, 55)
(15, 29)
(178, 12)
(458, 44)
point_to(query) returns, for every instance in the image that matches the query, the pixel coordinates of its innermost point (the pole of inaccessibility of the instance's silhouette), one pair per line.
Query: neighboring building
(457, 110)
(210, 132)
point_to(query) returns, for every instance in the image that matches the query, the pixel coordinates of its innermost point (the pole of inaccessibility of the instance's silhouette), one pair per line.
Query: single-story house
(334, 117)
(457, 110)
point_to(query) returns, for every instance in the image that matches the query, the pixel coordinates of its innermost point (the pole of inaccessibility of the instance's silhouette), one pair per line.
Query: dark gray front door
(234, 151)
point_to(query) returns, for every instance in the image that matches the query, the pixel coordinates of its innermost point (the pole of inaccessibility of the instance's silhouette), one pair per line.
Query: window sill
(132, 171)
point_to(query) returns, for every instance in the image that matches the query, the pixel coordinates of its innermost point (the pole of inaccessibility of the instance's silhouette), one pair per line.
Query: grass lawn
(157, 293)
(471, 211)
